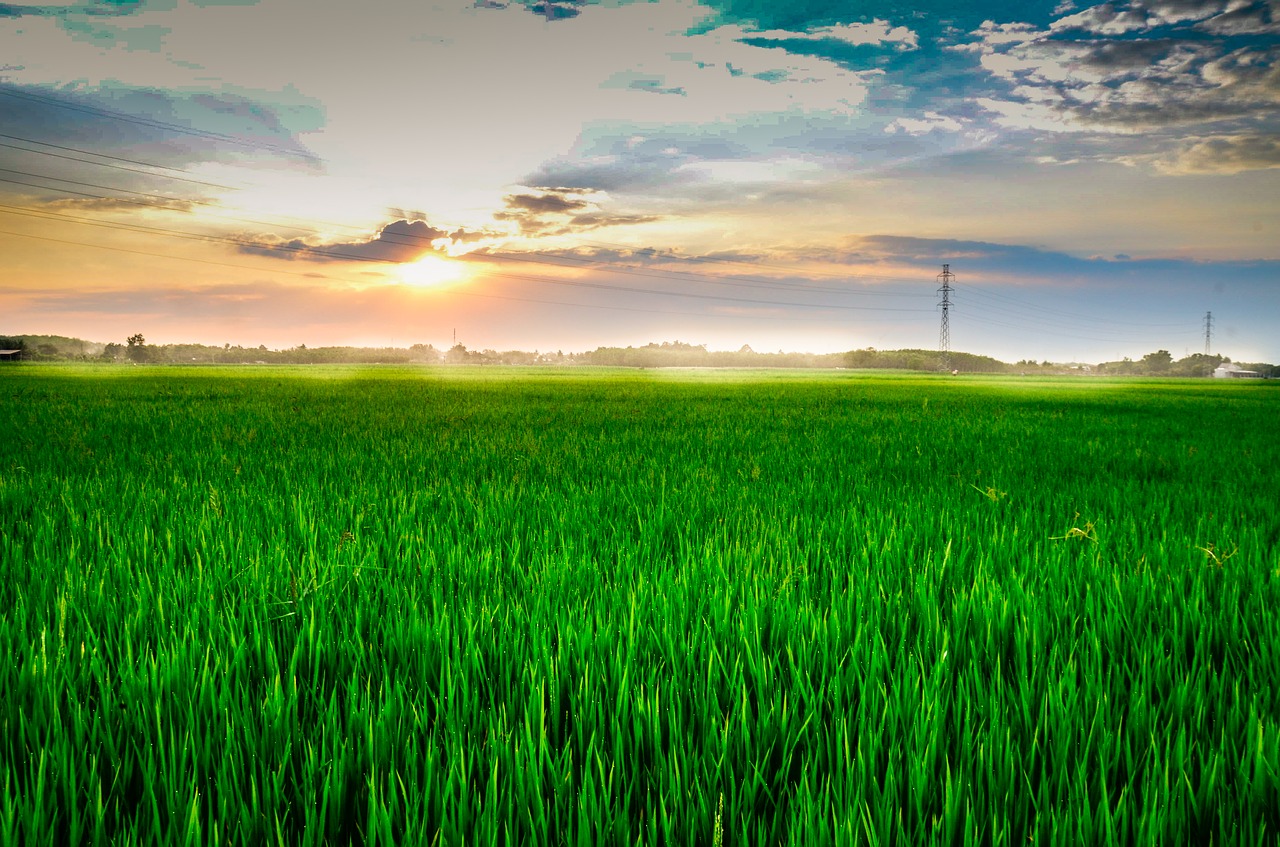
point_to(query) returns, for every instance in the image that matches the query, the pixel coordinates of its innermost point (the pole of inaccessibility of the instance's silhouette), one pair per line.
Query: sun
(432, 272)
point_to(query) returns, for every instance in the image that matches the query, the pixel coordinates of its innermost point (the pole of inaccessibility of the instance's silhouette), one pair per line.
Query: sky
(1102, 180)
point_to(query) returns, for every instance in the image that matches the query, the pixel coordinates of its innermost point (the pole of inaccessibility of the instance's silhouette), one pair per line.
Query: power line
(1030, 319)
(463, 293)
(978, 318)
(669, 254)
(336, 255)
(287, 248)
(717, 260)
(151, 123)
(1057, 314)
(158, 201)
(103, 156)
(1021, 309)
(736, 281)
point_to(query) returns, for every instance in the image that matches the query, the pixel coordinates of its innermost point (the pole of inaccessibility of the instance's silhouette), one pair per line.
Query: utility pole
(1208, 331)
(944, 332)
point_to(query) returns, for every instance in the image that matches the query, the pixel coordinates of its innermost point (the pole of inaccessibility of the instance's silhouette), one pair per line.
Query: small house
(1230, 370)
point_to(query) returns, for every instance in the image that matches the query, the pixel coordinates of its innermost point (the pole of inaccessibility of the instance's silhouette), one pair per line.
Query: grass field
(306, 606)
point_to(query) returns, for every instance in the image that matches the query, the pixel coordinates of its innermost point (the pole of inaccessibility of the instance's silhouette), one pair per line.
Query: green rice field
(305, 606)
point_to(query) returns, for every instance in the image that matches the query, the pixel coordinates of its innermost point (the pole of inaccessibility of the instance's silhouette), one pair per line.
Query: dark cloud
(555, 11)
(1180, 11)
(1240, 84)
(544, 204)
(557, 211)
(398, 242)
(1136, 55)
(1105, 19)
(613, 174)
(1257, 18)
(1118, 68)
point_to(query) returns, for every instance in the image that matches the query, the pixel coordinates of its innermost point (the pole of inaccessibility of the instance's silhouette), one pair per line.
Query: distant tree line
(1162, 363)
(668, 354)
(924, 360)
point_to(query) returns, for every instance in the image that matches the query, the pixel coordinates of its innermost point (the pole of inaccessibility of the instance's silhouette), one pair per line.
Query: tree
(1157, 362)
(137, 348)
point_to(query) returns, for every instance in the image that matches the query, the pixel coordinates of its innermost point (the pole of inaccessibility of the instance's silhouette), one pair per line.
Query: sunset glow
(1099, 176)
(430, 272)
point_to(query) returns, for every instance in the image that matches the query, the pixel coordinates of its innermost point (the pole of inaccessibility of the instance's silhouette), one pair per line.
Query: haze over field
(570, 175)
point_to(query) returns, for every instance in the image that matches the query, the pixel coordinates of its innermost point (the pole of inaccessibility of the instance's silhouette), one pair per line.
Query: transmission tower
(944, 332)
(1208, 331)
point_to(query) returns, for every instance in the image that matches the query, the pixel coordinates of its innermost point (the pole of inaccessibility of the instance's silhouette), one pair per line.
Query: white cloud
(926, 123)
(1223, 155)
(439, 106)
(992, 34)
(1090, 71)
(1104, 20)
(876, 32)
(1183, 11)
(1012, 114)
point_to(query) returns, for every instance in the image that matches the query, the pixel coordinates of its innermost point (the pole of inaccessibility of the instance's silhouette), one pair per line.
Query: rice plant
(343, 606)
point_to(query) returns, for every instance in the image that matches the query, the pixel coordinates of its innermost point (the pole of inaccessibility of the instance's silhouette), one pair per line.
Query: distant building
(10, 355)
(1230, 370)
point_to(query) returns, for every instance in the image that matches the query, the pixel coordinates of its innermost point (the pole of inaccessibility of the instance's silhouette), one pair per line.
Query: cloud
(1140, 67)
(559, 211)
(984, 259)
(17, 10)
(613, 173)
(1257, 18)
(991, 34)
(641, 82)
(162, 127)
(877, 32)
(1165, 12)
(1103, 20)
(599, 220)
(116, 204)
(555, 11)
(1224, 155)
(398, 242)
(552, 202)
(926, 123)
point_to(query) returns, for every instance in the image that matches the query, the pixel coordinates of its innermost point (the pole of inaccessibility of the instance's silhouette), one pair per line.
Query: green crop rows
(296, 606)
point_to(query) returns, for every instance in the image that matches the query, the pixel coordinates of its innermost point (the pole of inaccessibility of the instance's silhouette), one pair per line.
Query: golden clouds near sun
(433, 272)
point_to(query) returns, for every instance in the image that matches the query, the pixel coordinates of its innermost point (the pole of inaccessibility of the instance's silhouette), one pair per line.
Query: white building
(1229, 370)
